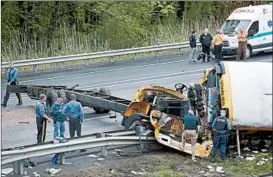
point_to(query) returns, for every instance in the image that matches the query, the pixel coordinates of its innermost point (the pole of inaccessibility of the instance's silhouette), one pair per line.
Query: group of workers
(192, 123)
(215, 43)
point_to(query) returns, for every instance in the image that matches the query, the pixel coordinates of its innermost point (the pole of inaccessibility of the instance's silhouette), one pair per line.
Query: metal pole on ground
(18, 167)
(238, 141)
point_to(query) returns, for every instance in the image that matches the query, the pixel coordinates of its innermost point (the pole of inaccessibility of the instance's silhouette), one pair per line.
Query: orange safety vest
(242, 36)
(218, 39)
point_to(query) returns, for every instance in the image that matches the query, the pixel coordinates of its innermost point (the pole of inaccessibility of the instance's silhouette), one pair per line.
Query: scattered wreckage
(244, 90)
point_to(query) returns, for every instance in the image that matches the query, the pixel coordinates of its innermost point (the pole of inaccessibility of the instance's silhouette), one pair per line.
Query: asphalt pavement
(123, 80)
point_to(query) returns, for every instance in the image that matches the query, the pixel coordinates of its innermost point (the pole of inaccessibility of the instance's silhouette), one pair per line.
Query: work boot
(19, 104)
(4, 105)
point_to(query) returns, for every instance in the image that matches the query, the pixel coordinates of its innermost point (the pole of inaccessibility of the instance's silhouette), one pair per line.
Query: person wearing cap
(205, 40)
(217, 42)
(242, 45)
(193, 46)
(191, 126)
(220, 127)
(12, 75)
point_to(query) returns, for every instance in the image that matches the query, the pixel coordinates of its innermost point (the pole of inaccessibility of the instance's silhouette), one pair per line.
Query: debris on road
(250, 158)
(260, 163)
(35, 174)
(211, 168)
(219, 169)
(92, 155)
(53, 171)
(6, 171)
(246, 149)
(100, 159)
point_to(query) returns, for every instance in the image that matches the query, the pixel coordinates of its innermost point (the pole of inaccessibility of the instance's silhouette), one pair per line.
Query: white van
(257, 20)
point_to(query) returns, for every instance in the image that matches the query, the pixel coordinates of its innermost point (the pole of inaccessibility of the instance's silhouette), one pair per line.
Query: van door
(255, 40)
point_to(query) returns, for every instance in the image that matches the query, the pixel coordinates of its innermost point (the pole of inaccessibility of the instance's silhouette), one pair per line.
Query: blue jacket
(40, 110)
(12, 74)
(73, 110)
(221, 131)
(56, 115)
(192, 41)
(191, 122)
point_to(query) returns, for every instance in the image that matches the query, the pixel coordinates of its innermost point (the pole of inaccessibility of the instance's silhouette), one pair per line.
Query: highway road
(123, 79)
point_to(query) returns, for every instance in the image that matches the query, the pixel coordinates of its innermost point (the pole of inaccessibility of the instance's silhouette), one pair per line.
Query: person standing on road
(58, 118)
(191, 126)
(217, 44)
(205, 40)
(12, 75)
(74, 112)
(41, 119)
(220, 126)
(242, 45)
(193, 46)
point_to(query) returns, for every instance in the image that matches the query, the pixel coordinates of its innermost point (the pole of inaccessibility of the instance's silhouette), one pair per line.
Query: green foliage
(33, 29)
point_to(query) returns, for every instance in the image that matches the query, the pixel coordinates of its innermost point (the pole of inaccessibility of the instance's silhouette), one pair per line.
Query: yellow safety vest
(218, 39)
(242, 37)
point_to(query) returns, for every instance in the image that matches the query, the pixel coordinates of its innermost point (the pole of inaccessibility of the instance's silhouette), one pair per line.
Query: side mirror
(250, 33)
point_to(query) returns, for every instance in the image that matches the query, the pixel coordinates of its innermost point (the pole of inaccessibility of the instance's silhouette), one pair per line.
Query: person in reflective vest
(217, 42)
(220, 126)
(242, 45)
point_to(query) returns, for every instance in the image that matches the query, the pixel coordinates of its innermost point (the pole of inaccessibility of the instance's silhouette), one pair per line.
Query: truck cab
(257, 21)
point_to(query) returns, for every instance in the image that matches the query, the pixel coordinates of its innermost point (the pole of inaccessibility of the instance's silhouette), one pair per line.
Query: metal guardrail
(103, 140)
(88, 56)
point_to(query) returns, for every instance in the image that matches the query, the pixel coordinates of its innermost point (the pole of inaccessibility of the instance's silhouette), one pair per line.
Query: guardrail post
(156, 53)
(86, 62)
(34, 68)
(61, 65)
(111, 59)
(18, 168)
(179, 51)
(103, 148)
(62, 158)
(134, 56)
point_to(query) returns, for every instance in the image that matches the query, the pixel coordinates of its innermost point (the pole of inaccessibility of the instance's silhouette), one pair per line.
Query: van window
(234, 26)
(254, 27)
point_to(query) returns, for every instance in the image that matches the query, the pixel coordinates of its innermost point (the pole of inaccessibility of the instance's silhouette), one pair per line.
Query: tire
(248, 52)
(132, 121)
(100, 110)
(62, 94)
(51, 98)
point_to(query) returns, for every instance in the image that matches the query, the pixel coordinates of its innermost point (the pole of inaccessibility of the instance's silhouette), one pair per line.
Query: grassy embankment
(76, 45)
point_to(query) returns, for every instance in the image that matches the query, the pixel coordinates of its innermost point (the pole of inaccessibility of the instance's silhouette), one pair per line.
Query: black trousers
(206, 50)
(41, 128)
(75, 125)
(6, 98)
(218, 52)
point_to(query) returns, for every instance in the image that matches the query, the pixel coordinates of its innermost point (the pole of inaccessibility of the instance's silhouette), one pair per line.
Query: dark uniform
(205, 40)
(12, 79)
(195, 97)
(41, 122)
(222, 126)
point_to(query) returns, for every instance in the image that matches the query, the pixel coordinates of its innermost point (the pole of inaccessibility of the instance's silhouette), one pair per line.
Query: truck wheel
(51, 98)
(100, 110)
(62, 94)
(248, 52)
(132, 121)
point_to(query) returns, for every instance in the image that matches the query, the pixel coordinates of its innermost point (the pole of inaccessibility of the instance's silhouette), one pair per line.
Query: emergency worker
(75, 116)
(205, 40)
(217, 42)
(58, 118)
(191, 126)
(12, 80)
(41, 119)
(220, 126)
(194, 97)
(242, 45)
